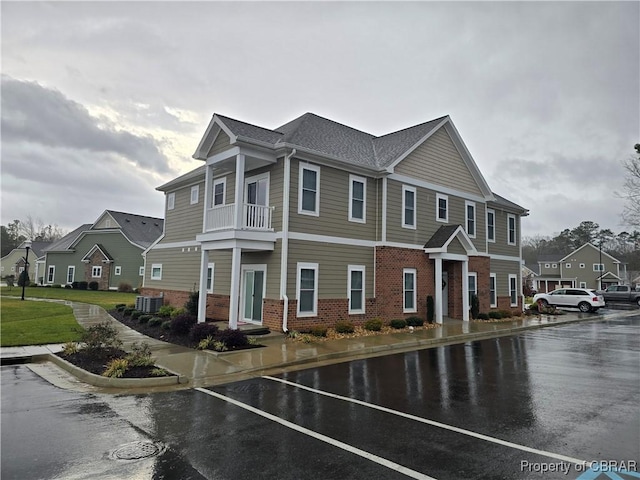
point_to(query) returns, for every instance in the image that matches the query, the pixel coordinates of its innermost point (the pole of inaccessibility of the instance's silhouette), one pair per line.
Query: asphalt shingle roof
(65, 242)
(441, 236)
(139, 229)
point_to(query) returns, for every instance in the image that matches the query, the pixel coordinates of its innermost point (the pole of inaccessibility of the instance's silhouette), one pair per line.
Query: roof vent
(144, 223)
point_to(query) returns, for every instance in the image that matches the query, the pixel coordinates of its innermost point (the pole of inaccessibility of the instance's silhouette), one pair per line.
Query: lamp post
(27, 246)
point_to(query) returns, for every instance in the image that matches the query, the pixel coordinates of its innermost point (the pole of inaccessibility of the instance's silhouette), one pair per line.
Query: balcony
(253, 217)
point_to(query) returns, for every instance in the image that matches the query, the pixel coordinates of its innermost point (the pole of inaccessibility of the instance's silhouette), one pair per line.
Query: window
(582, 265)
(567, 265)
(210, 268)
(307, 289)
(491, 225)
(409, 290)
(219, 188)
(470, 208)
(511, 229)
(156, 271)
(357, 199)
(309, 190)
(408, 207)
(598, 267)
(583, 284)
(513, 290)
(195, 192)
(71, 273)
(171, 201)
(356, 289)
(554, 265)
(473, 285)
(492, 290)
(546, 265)
(118, 271)
(51, 274)
(141, 271)
(96, 271)
(442, 208)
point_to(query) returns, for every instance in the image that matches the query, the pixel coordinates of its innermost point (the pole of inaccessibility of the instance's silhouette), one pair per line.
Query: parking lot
(543, 404)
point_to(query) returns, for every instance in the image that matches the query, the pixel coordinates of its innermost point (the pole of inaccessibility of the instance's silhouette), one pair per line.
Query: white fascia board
(106, 212)
(210, 135)
(615, 260)
(153, 245)
(392, 167)
(507, 258)
(465, 240)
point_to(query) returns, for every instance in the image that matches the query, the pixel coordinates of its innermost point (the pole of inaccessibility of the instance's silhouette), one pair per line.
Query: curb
(108, 382)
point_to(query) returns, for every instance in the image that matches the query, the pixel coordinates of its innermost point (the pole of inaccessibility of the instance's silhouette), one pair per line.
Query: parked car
(621, 293)
(581, 298)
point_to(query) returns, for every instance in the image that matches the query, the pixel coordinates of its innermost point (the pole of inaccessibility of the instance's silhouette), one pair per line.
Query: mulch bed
(97, 362)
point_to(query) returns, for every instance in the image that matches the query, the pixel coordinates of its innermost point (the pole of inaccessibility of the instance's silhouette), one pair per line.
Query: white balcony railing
(253, 217)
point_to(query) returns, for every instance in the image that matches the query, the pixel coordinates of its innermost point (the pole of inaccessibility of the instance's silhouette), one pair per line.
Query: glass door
(253, 293)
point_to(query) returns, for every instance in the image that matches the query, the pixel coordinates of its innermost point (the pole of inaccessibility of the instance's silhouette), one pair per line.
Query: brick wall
(217, 305)
(96, 260)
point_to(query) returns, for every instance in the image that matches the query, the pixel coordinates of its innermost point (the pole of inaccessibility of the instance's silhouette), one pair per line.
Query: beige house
(315, 221)
(12, 264)
(585, 267)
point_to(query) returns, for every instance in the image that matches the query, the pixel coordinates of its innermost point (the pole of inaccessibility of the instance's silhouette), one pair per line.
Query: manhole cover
(137, 450)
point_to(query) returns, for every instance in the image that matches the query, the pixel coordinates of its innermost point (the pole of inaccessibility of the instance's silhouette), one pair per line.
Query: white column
(239, 191)
(438, 290)
(202, 298)
(234, 294)
(208, 180)
(465, 290)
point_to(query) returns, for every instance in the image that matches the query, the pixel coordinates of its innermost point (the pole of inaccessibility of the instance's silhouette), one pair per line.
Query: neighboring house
(529, 273)
(109, 251)
(315, 221)
(585, 267)
(13, 262)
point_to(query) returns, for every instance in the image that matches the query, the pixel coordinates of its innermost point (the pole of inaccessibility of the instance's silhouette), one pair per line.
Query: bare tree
(35, 229)
(631, 190)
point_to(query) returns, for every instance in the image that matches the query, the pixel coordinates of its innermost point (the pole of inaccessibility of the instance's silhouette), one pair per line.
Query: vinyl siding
(334, 206)
(502, 269)
(272, 261)
(438, 161)
(184, 221)
(425, 213)
(456, 247)
(221, 143)
(501, 246)
(106, 221)
(588, 256)
(180, 268)
(333, 261)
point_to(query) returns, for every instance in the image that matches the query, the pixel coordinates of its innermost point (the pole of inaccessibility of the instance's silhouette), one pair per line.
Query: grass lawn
(106, 299)
(36, 323)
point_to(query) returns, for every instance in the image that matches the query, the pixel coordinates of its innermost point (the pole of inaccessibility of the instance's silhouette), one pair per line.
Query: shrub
(101, 335)
(495, 314)
(144, 318)
(181, 324)
(140, 355)
(232, 338)
(414, 322)
(165, 311)
(136, 314)
(178, 311)
(128, 311)
(119, 305)
(67, 286)
(373, 325)
(125, 287)
(158, 372)
(220, 347)
(165, 325)
(116, 368)
(398, 323)
(70, 348)
(74, 285)
(56, 285)
(475, 306)
(201, 331)
(23, 279)
(205, 343)
(191, 306)
(506, 313)
(319, 331)
(345, 327)
(155, 321)
(83, 285)
(93, 285)
(483, 316)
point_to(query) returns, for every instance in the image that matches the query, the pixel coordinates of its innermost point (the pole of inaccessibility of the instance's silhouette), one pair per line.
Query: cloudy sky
(103, 102)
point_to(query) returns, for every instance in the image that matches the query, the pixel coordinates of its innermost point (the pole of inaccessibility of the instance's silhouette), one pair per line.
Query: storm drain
(137, 450)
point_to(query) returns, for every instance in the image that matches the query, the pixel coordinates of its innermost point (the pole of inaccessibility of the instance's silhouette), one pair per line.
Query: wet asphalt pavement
(503, 408)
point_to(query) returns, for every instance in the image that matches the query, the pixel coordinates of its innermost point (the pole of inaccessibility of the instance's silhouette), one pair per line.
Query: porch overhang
(247, 240)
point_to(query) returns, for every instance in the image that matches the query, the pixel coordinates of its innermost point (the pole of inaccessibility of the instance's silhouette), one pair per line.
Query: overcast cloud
(102, 102)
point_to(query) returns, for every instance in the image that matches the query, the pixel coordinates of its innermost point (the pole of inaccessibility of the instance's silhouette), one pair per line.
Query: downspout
(284, 254)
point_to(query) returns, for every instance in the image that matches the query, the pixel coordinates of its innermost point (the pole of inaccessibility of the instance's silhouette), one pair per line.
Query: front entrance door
(253, 291)
(445, 294)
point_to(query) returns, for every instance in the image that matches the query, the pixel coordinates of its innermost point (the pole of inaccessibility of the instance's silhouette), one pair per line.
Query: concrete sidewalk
(205, 368)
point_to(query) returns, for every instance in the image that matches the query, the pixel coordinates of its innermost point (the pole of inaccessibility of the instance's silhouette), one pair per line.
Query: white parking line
(479, 436)
(331, 441)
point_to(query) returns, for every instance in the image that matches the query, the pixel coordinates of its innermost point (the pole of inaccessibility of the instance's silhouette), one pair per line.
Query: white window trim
(141, 271)
(94, 269)
(515, 278)
(515, 230)
(314, 168)
(582, 265)
(441, 196)
(583, 284)
(71, 269)
(415, 290)
(407, 188)
(211, 266)
(493, 303)
(493, 213)
(547, 265)
(554, 265)
(567, 265)
(51, 274)
(195, 193)
(598, 267)
(350, 269)
(307, 266)
(219, 181)
(468, 204)
(475, 282)
(256, 179)
(153, 267)
(352, 179)
(171, 200)
(118, 270)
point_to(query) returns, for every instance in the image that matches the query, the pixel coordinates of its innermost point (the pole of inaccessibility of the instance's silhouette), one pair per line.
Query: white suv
(581, 298)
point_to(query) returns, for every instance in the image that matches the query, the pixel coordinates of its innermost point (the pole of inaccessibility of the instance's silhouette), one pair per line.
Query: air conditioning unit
(152, 304)
(140, 303)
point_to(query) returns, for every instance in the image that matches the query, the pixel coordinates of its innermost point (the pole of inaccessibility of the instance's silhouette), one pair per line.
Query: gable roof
(590, 245)
(103, 251)
(65, 242)
(439, 242)
(504, 203)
